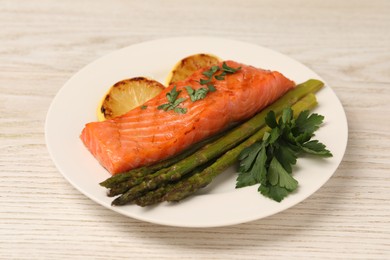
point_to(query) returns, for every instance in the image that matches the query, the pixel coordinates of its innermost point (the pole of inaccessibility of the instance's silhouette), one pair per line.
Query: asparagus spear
(154, 196)
(218, 147)
(187, 187)
(124, 186)
(157, 195)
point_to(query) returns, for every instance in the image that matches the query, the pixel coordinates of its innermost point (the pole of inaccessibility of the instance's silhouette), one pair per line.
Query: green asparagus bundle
(187, 187)
(170, 180)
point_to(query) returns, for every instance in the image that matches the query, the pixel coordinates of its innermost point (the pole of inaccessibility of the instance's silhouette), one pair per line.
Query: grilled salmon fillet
(147, 134)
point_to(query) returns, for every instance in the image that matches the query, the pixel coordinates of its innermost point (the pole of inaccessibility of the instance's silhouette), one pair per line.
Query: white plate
(219, 204)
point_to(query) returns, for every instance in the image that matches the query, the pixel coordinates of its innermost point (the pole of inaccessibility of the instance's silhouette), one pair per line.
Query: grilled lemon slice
(126, 95)
(188, 65)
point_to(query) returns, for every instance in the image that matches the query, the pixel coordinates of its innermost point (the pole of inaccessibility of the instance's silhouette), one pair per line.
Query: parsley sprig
(173, 102)
(270, 162)
(196, 94)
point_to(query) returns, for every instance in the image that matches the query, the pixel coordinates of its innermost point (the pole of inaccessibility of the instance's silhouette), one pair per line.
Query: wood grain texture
(43, 43)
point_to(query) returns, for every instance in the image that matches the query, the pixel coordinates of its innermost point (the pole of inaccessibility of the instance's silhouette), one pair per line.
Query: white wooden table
(43, 43)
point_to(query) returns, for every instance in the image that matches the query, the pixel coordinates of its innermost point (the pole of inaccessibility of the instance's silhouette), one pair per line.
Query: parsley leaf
(270, 162)
(173, 102)
(277, 175)
(196, 94)
(172, 95)
(270, 119)
(220, 76)
(306, 123)
(209, 73)
(286, 155)
(228, 69)
(204, 81)
(211, 87)
(273, 192)
(316, 148)
(180, 110)
(251, 160)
